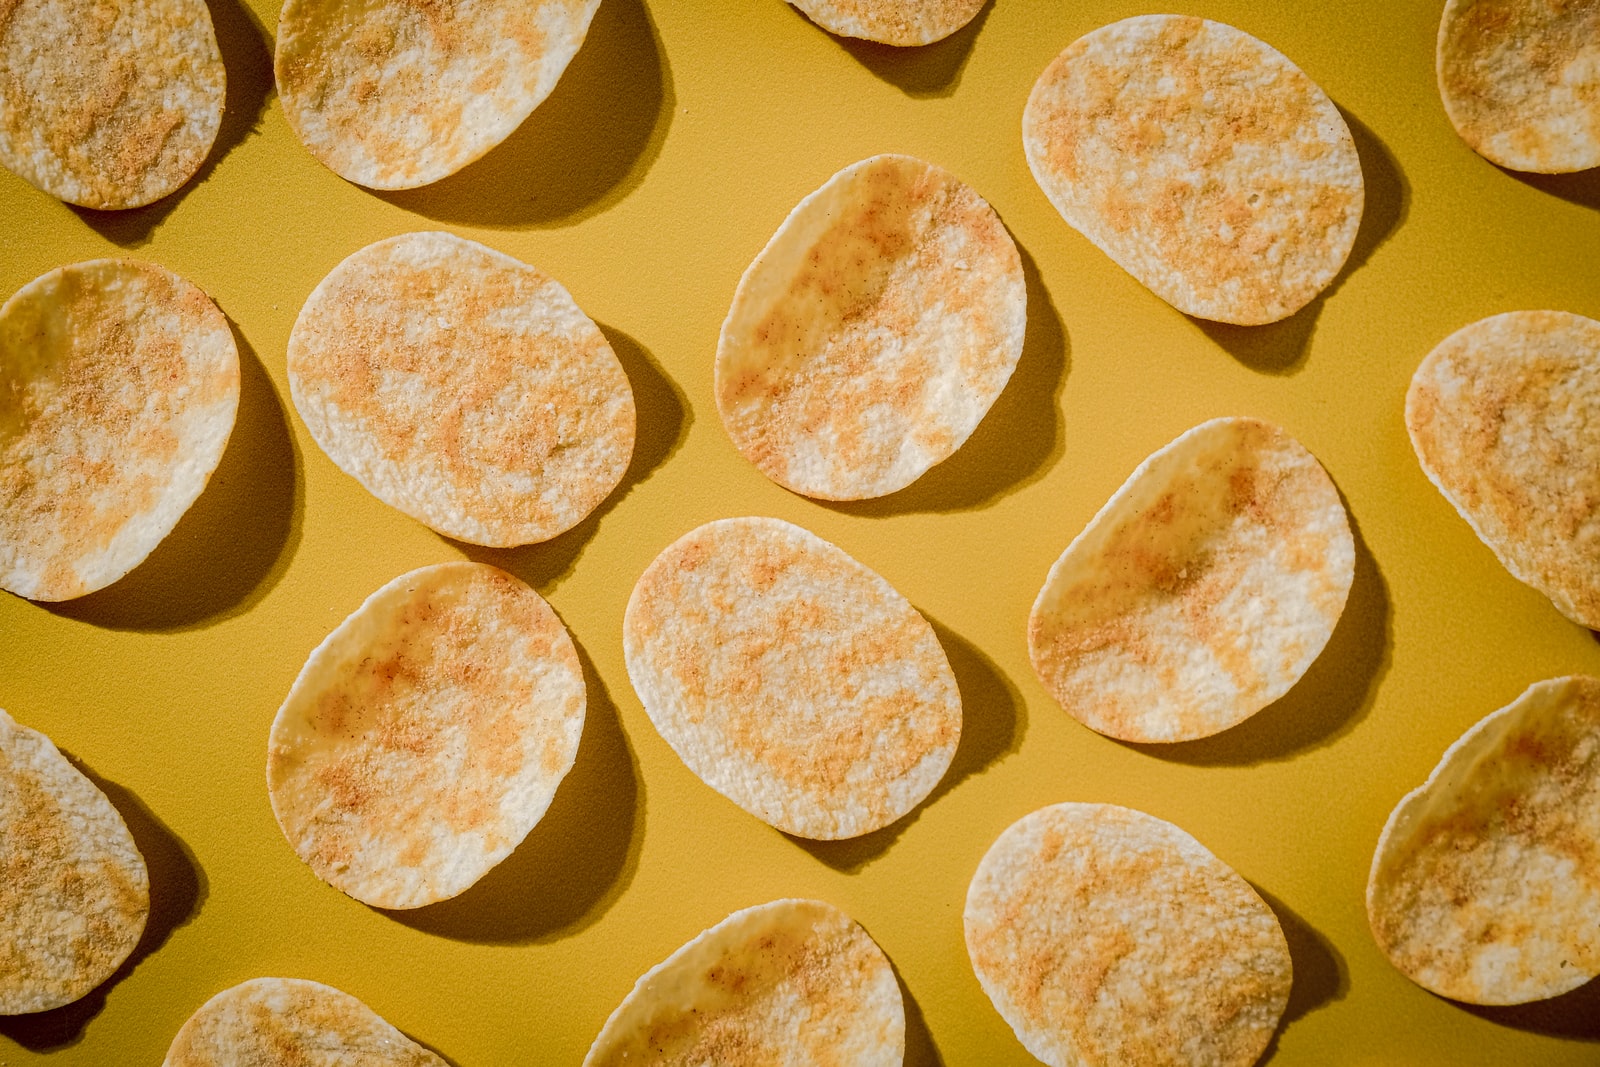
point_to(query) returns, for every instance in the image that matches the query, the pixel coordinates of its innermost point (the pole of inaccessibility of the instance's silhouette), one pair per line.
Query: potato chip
(279, 1022)
(426, 735)
(1202, 161)
(1505, 417)
(74, 892)
(1201, 591)
(1520, 80)
(1105, 936)
(118, 387)
(873, 332)
(793, 680)
(108, 103)
(464, 388)
(393, 94)
(897, 22)
(793, 982)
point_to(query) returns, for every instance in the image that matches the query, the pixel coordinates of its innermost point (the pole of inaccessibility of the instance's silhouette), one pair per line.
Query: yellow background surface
(675, 144)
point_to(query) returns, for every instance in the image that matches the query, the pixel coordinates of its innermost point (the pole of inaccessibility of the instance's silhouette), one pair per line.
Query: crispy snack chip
(793, 982)
(118, 387)
(74, 892)
(1105, 936)
(1505, 417)
(278, 1022)
(1202, 161)
(897, 22)
(463, 387)
(872, 333)
(393, 94)
(1520, 80)
(793, 680)
(108, 103)
(1201, 591)
(426, 735)
(1485, 885)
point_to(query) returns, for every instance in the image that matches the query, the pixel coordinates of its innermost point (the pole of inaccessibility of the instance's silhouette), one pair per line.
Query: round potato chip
(464, 388)
(1505, 418)
(108, 103)
(74, 892)
(1202, 161)
(897, 22)
(393, 94)
(1105, 936)
(1201, 591)
(1485, 885)
(872, 333)
(426, 735)
(794, 982)
(119, 382)
(793, 680)
(1520, 80)
(278, 1022)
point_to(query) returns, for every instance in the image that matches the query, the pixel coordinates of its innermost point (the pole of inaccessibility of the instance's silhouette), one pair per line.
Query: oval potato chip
(896, 22)
(1201, 591)
(1520, 80)
(119, 382)
(1105, 936)
(793, 982)
(872, 333)
(108, 103)
(1202, 161)
(1505, 418)
(393, 94)
(426, 735)
(790, 678)
(464, 388)
(74, 892)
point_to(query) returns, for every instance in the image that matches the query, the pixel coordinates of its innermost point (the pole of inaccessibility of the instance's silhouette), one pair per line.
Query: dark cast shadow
(928, 70)
(1320, 974)
(418, 1041)
(920, 1049)
(1574, 1016)
(1581, 188)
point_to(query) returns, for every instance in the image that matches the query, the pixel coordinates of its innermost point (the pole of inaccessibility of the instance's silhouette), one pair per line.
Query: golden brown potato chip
(873, 332)
(426, 735)
(1520, 80)
(118, 387)
(793, 982)
(1505, 417)
(74, 893)
(793, 680)
(290, 1022)
(393, 94)
(1201, 591)
(897, 22)
(1202, 161)
(1106, 937)
(1485, 886)
(463, 387)
(108, 103)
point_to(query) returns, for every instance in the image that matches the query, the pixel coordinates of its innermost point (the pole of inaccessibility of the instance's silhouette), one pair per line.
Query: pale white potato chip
(896, 22)
(426, 735)
(119, 382)
(1202, 161)
(463, 387)
(793, 680)
(873, 332)
(1201, 591)
(793, 982)
(1485, 885)
(1106, 937)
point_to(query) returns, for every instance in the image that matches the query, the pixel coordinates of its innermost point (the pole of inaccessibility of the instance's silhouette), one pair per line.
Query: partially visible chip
(1202, 161)
(278, 1022)
(74, 892)
(463, 387)
(426, 735)
(897, 22)
(1505, 418)
(793, 680)
(1484, 885)
(1105, 936)
(794, 982)
(1201, 591)
(118, 387)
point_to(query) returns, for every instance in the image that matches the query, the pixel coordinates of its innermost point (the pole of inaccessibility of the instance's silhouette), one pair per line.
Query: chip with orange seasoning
(896, 22)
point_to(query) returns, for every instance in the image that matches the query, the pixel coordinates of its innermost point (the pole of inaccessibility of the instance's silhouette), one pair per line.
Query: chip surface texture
(896, 22)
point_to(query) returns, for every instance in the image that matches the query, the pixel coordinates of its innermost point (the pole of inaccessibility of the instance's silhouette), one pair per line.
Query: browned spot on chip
(897, 22)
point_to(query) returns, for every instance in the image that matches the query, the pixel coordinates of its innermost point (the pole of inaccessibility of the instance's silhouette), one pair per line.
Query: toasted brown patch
(897, 22)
